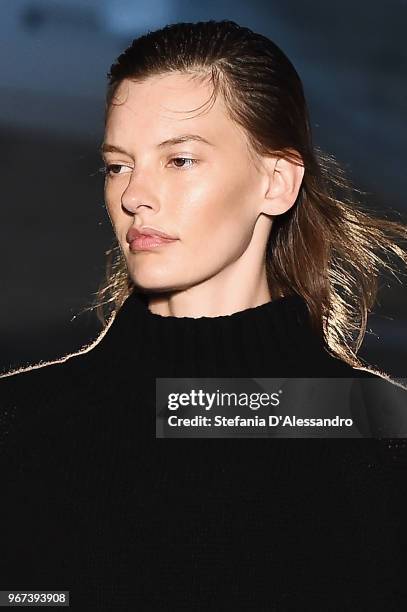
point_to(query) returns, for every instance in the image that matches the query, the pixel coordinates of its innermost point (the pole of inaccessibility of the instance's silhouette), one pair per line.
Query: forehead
(162, 106)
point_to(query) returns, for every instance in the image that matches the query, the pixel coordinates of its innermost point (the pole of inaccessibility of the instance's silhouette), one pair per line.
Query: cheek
(220, 215)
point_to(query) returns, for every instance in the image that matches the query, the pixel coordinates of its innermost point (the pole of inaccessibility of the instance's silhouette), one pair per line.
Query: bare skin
(220, 207)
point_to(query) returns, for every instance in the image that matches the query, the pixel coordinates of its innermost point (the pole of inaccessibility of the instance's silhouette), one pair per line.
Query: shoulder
(377, 379)
(34, 384)
(46, 375)
(379, 391)
(39, 394)
(27, 394)
(333, 366)
(383, 403)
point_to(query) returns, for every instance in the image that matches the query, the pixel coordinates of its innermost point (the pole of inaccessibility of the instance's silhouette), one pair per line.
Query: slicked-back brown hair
(328, 247)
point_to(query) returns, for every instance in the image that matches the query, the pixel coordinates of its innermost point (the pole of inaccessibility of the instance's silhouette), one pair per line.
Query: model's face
(210, 204)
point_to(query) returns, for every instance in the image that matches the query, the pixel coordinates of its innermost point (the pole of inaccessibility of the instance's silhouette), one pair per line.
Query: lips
(135, 233)
(147, 239)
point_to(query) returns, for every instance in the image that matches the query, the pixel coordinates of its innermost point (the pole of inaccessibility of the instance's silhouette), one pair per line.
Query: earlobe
(285, 179)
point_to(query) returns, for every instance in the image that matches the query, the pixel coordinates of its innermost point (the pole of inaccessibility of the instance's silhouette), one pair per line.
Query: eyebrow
(111, 148)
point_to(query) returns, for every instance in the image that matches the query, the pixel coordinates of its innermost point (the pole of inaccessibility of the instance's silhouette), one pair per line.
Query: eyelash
(106, 170)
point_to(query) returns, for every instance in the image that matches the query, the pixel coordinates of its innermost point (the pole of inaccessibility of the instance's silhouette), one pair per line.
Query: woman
(235, 257)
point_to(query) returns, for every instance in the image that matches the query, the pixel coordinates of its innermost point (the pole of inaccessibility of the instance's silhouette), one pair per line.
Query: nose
(138, 194)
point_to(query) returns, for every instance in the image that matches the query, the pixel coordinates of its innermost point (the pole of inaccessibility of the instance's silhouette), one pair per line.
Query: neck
(232, 290)
(188, 303)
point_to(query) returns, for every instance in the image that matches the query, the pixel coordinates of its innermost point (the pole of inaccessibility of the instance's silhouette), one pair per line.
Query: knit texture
(95, 504)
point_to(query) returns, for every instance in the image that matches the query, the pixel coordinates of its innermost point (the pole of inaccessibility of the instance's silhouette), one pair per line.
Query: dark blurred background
(54, 58)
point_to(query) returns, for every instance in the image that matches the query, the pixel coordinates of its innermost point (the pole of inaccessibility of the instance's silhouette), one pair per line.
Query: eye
(113, 169)
(184, 159)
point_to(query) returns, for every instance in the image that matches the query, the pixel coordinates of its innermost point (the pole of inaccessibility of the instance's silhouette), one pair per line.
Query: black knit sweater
(95, 504)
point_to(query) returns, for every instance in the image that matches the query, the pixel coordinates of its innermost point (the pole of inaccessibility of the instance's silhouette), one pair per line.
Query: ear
(284, 182)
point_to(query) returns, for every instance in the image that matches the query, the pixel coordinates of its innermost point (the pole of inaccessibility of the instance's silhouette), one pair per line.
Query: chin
(157, 281)
(169, 276)
(154, 284)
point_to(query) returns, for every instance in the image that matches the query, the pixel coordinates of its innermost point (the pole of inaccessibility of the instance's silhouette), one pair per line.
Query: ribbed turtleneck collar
(137, 305)
(273, 339)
